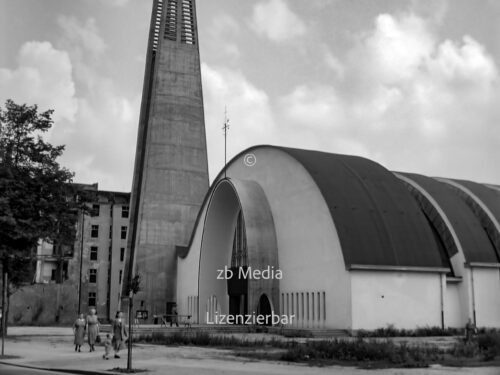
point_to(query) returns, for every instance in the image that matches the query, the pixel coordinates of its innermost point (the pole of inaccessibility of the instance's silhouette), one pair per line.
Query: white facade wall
(486, 284)
(405, 299)
(309, 252)
(188, 275)
(453, 312)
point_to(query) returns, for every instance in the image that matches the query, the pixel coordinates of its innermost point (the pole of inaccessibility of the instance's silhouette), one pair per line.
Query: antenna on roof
(225, 128)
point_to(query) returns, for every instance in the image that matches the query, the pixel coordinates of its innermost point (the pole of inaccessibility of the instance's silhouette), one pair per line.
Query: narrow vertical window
(93, 252)
(92, 276)
(92, 299)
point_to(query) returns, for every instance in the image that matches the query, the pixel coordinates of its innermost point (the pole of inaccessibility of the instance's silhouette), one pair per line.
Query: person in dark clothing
(173, 319)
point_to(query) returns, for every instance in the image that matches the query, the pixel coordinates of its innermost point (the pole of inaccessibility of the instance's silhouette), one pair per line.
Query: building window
(110, 232)
(94, 233)
(95, 210)
(122, 254)
(93, 276)
(92, 299)
(125, 211)
(93, 253)
(120, 277)
(124, 233)
(53, 275)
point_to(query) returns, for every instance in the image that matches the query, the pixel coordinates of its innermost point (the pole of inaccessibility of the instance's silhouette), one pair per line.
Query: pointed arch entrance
(238, 233)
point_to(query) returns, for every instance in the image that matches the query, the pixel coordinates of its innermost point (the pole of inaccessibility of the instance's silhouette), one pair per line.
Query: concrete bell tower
(171, 172)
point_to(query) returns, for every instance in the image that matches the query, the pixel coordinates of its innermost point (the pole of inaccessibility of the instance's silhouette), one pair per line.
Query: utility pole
(81, 265)
(4, 305)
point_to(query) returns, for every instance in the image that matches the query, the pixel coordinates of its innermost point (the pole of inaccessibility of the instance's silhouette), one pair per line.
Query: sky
(412, 85)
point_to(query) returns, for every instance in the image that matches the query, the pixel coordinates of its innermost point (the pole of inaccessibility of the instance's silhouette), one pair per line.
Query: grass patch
(366, 351)
(124, 370)
(362, 352)
(201, 339)
(5, 356)
(391, 331)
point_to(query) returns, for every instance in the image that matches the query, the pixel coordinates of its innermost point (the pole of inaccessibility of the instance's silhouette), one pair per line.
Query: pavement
(52, 348)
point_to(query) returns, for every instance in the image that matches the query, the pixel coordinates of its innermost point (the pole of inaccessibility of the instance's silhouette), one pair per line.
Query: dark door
(265, 309)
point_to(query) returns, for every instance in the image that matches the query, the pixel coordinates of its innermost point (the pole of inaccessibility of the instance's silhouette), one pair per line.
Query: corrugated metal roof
(377, 220)
(472, 237)
(485, 203)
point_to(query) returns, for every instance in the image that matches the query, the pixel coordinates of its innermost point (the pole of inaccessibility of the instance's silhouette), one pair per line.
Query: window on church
(170, 31)
(324, 306)
(307, 304)
(239, 254)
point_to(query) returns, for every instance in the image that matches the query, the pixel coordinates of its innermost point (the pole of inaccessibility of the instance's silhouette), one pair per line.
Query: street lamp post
(81, 265)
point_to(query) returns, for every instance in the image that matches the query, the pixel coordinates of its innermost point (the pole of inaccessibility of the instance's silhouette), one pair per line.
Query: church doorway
(265, 309)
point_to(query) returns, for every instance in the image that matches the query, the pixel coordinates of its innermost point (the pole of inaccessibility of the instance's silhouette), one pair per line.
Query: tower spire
(171, 170)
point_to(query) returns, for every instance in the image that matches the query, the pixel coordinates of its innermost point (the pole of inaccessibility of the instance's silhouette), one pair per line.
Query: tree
(35, 192)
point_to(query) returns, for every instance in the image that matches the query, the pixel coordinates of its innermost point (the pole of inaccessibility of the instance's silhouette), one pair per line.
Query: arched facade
(347, 235)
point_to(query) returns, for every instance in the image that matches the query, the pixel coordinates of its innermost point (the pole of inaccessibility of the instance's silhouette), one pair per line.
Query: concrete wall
(188, 274)
(486, 283)
(216, 248)
(309, 252)
(171, 170)
(42, 304)
(405, 299)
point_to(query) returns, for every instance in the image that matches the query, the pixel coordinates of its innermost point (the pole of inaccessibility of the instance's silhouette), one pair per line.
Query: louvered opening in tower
(170, 32)
(157, 24)
(187, 31)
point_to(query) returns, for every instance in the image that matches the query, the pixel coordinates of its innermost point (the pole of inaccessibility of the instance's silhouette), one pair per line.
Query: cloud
(43, 77)
(249, 113)
(407, 99)
(274, 20)
(222, 32)
(82, 36)
(101, 147)
(100, 143)
(313, 107)
(113, 3)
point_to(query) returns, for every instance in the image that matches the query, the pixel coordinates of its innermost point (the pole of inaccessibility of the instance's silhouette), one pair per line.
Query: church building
(357, 246)
(293, 237)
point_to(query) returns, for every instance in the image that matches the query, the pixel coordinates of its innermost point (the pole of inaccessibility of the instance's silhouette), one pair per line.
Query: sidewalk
(52, 348)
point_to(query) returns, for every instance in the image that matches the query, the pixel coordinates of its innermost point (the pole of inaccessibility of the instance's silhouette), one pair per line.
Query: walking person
(79, 332)
(173, 319)
(120, 334)
(92, 329)
(108, 345)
